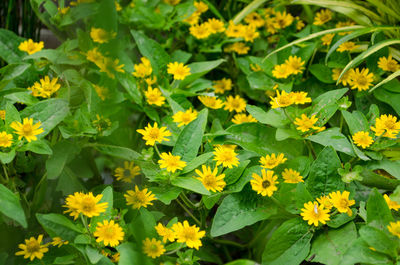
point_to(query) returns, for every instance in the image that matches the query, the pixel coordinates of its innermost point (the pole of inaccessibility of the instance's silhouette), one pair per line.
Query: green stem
(174, 251)
(84, 221)
(187, 201)
(310, 148)
(157, 151)
(5, 173)
(228, 242)
(287, 115)
(189, 212)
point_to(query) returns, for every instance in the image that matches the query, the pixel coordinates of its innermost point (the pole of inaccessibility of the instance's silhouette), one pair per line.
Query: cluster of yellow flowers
(46, 88)
(292, 66)
(33, 247)
(26, 130)
(105, 64)
(284, 99)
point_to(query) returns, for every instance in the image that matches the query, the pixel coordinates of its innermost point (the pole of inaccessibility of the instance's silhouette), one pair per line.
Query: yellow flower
(32, 248)
(100, 35)
(200, 31)
(300, 97)
(127, 173)
(143, 69)
(360, 80)
(234, 31)
(165, 233)
(2, 114)
(255, 67)
(115, 258)
(184, 118)
(362, 139)
(201, 7)
(154, 96)
(154, 134)
(220, 86)
(238, 47)
(314, 213)
(101, 91)
(151, 80)
(393, 205)
(109, 232)
(172, 2)
(265, 185)
(282, 99)
(193, 19)
(95, 56)
(87, 204)
(139, 198)
(291, 176)
(215, 25)
(27, 129)
(322, 17)
(282, 20)
(341, 202)
(236, 103)
(273, 160)
(394, 228)
(63, 10)
(108, 65)
(153, 248)
(325, 202)
(250, 33)
(386, 125)
(300, 24)
(242, 118)
(304, 124)
(388, 64)
(347, 46)
(211, 102)
(45, 88)
(342, 24)
(295, 65)
(346, 78)
(210, 178)
(179, 70)
(226, 156)
(101, 123)
(190, 235)
(170, 162)
(327, 39)
(30, 46)
(58, 242)
(254, 19)
(117, 6)
(5, 139)
(281, 71)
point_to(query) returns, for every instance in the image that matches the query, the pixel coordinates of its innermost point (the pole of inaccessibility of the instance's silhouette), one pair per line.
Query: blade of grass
(247, 10)
(384, 81)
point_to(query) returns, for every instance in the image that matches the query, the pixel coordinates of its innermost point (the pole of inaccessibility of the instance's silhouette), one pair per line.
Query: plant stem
(228, 242)
(188, 212)
(287, 115)
(84, 221)
(187, 202)
(5, 173)
(157, 151)
(310, 148)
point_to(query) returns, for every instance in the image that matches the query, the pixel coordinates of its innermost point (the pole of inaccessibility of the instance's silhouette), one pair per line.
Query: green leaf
(274, 117)
(289, 244)
(355, 120)
(40, 146)
(379, 240)
(378, 212)
(9, 43)
(242, 262)
(322, 72)
(63, 152)
(360, 252)
(11, 207)
(12, 114)
(333, 137)
(197, 161)
(128, 82)
(22, 97)
(7, 157)
(325, 105)
(190, 183)
(198, 69)
(116, 151)
(247, 10)
(386, 80)
(166, 194)
(392, 167)
(132, 255)
(388, 97)
(58, 225)
(233, 174)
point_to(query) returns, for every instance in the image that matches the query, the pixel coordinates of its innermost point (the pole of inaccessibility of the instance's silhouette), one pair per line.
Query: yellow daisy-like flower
(300, 97)
(236, 103)
(255, 67)
(325, 202)
(154, 96)
(201, 7)
(211, 102)
(265, 185)
(30, 46)
(210, 179)
(242, 118)
(314, 213)
(95, 56)
(226, 156)
(172, 2)
(45, 88)
(394, 228)
(254, 19)
(281, 71)
(139, 198)
(32, 248)
(300, 24)
(200, 31)
(362, 139)
(154, 134)
(184, 118)
(386, 125)
(220, 86)
(273, 160)
(291, 176)
(388, 64)
(88, 204)
(295, 65)
(327, 39)
(5, 139)
(347, 46)
(215, 25)
(360, 80)
(346, 78)
(238, 47)
(151, 80)
(165, 233)
(193, 19)
(391, 204)
(101, 91)
(283, 20)
(108, 66)
(250, 33)
(127, 173)
(2, 114)
(170, 162)
(179, 70)
(59, 242)
(27, 129)
(72, 203)
(143, 69)
(282, 99)
(109, 232)
(234, 31)
(322, 17)
(341, 202)
(100, 35)
(304, 123)
(342, 24)
(153, 248)
(190, 235)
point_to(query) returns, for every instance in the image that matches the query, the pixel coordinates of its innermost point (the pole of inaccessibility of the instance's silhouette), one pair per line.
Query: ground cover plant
(202, 132)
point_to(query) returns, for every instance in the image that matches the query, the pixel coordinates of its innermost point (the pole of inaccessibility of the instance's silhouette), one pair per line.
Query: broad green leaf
(360, 253)
(379, 240)
(58, 225)
(40, 146)
(392, 167)
(341, 219)
(12, 114)
(386, 80)
(233, 174)
(56, 57)
(9, 43)
(260, 81)
(333, 137)
(198, 69)
(197, 161)
(274, 117)
(373, 180)
(355, 120)
(247, 10)
(63, 152)
(107, 197)
(22, 97)
(325, 105)
(131, 254)
(190, 183)
(242, 262)
(7, 157)
(388, 97)
(378, 212)
(116, 151)
(128, 82)
(166, 193)
(322, 72)
(285, 133)
(11, 207)
(142, 225)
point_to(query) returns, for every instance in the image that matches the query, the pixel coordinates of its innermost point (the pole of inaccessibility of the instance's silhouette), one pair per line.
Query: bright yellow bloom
(314, 213)
(101, 123)
(101, 36)
(347, 46)
(115, 258)
(95, 56)
(234, 31)
(327, 39)
(281, 71)
(265, 185)
(211, 102)
(282, 20)
(190, 235)
(151, 80)
(201, 7)
(193, 19)
(300, 97)
(154, 96)
(165, 233)
(153, 248)
(127, 173)
(300, 24)
(5, 139)
(362, 139)
(172, 2)
(87, 204)
(341, 202)
(32, 248)
(386, 125)
(291, 176)
(250, 33)
(304, 124)
(394, 228)
(109, 232)
(393, 205)
(27, 129)
(273, 160)
(184, 118)
(226, 156)
(143, 69)
(215, 25)
(325, 202)
(154, 134)
(101, 91)
(242, 118)
(72, 202)
(255, 67)
(282, 99)
(322, 17)
(200, 31)
(30, 46)
(346, 78)
(342, 24)
(108, 65)
(170, 162)
(210, 179)
(59, 242)
(360, 80)
(295, 65)
(220, 86)
(238, 47)
(236, 103)
(254, 19)
(388, 64)
(139, 198)
(2, 114)
(179, 70)
(45, 88)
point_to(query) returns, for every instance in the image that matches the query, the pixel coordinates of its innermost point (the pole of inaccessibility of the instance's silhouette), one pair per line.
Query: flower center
(32, 247)
(87, 205)
(27, 129)
(389, 124)
(209, 180)
(362, 81)
(343, 203)
(265, 184)
(154, 133)
(127, 173)
(189, 235)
